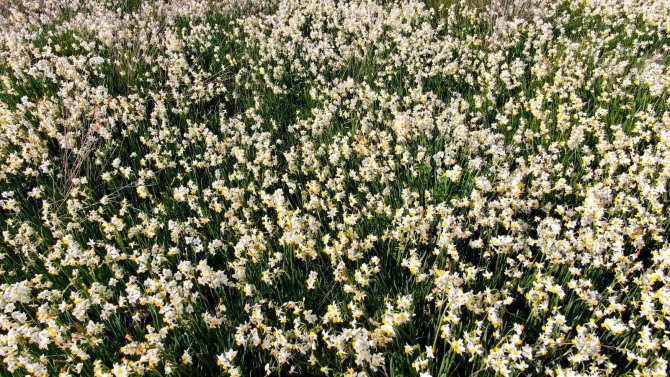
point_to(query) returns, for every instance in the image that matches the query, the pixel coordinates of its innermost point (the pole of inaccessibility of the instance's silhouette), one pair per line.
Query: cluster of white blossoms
(322, 187)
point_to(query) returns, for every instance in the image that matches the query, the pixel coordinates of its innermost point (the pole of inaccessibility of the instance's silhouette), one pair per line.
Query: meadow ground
(341, 188)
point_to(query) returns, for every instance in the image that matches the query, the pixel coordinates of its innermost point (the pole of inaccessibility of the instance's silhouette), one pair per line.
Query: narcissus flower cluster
(338, 188)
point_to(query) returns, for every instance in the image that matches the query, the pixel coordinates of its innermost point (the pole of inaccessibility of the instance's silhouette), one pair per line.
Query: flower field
(334, 188)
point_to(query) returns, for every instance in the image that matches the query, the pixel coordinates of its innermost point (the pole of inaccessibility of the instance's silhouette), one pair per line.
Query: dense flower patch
(321, 187)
